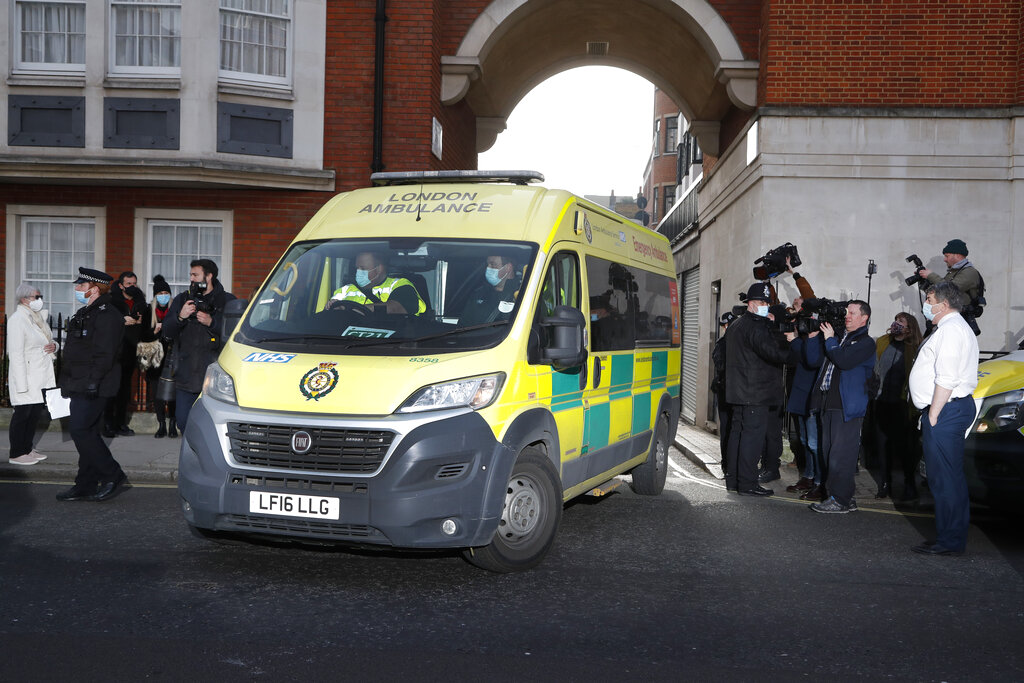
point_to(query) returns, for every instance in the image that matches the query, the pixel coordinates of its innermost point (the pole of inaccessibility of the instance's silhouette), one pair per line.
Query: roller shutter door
(691, 343)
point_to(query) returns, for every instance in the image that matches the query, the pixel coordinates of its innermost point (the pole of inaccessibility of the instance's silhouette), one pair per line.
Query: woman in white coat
(31, 350)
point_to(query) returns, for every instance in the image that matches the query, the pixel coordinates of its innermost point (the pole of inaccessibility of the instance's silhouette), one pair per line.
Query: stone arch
(684, 47)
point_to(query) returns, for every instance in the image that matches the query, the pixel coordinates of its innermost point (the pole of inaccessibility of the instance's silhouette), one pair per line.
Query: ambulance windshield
(390, 297)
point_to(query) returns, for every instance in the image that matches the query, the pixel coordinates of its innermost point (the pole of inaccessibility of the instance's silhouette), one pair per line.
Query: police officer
(90, 376)
(755, 354)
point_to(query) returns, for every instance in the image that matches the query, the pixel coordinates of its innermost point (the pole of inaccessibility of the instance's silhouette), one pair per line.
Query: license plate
(294, 505)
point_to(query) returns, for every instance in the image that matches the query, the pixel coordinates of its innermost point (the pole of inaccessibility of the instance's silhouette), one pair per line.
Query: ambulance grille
(332, 450)
(311, 528)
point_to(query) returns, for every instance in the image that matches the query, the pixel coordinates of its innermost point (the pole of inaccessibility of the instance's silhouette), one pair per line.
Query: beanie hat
(160, 285)
(955, 247)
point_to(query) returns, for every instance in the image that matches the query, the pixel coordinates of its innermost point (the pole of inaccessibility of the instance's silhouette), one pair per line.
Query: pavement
(146, 459)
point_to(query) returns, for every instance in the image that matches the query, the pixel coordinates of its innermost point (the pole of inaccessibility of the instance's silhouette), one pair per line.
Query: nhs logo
(259, 357)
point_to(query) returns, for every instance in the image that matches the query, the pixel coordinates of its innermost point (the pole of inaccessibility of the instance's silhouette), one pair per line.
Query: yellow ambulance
(440, 361)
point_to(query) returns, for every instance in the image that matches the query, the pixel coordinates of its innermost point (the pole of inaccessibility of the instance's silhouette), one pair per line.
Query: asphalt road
(694, 584)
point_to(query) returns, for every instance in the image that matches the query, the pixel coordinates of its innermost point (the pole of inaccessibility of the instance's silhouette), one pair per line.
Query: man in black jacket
(131, 302)
(193, 323)
(755, 354)
(90, 375)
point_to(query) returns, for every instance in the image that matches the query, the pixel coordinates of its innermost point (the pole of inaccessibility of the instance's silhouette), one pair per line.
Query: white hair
(25, 291)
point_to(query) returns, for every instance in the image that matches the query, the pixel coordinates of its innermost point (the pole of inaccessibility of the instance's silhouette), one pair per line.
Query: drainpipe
(378, 89)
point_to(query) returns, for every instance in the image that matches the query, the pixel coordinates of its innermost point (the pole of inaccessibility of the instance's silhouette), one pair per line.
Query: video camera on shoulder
(774, 262)
(812, 313)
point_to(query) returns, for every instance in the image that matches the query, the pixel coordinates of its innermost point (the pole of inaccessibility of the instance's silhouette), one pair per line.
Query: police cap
(92, 275)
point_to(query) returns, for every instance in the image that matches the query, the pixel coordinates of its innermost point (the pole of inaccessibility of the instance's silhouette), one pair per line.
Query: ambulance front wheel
(529, 519)
(649, 477)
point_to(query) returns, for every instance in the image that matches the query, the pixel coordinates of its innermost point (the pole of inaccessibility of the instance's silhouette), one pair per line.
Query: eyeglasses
(37, 296)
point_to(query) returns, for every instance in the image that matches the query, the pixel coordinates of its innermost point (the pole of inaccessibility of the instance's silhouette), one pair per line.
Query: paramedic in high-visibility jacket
(374, 288)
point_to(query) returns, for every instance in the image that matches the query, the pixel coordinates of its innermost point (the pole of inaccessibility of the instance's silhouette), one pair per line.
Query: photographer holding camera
(965, 276)
(841, 396)
(193, 324)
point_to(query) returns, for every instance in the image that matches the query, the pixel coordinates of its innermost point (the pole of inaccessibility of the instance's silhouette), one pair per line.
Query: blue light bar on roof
(422, 177)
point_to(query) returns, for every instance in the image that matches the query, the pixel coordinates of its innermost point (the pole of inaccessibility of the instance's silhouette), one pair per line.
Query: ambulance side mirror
(233, 312)
(564, 343)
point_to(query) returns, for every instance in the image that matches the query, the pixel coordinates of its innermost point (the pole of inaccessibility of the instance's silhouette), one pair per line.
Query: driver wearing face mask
(495, 295)
(755, 354)
(373, 288)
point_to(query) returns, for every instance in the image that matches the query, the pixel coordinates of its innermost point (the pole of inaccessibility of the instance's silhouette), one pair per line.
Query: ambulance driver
(494, 298)
(374, 288)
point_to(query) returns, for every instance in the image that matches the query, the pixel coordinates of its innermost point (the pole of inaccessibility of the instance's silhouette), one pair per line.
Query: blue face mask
(362, 277)
(80, 297)
(929, 314)
(762, 311)
(163, 299)
(492, 276)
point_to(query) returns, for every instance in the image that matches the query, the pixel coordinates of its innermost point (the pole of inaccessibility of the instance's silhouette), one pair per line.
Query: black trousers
(839, 442)
(23, 428)
(724, 426)
(96, 464)
(771, 457)
(116, 414)
(893, 441)
(746, 443)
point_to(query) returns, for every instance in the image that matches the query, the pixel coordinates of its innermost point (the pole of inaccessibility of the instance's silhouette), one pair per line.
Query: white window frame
(71, 68)
(249, 77)
(130, 70)
(143, 252)
(18, 213)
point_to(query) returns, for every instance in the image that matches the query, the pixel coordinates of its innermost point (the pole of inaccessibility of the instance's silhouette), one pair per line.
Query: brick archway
(685, 47)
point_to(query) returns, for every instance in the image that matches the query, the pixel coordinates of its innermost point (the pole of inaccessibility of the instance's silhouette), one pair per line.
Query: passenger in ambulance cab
(374, 289)
(495, 296)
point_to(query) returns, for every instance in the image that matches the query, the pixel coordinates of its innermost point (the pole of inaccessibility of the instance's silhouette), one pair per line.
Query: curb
(65, 473)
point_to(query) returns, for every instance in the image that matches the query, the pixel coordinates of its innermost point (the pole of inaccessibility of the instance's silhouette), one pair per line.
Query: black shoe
(768, 475)
(109, 489)
(125, 430)
(76, 492)
(757, 491)
(172, 431)
(927, 548)
(162, 432)
(883, 492)
(109, 432)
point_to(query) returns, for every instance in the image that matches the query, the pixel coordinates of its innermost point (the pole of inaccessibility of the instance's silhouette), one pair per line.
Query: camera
(196, 294)
(916, 279)
(774, 262)
(817, 311)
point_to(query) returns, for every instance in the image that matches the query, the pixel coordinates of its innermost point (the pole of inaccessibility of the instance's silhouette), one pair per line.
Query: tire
(529, 518)
(649, 477)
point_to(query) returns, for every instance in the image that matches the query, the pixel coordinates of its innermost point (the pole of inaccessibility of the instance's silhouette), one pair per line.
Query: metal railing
(139, 388)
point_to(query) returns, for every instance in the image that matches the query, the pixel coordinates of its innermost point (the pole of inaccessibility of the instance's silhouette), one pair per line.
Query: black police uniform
(90, 376)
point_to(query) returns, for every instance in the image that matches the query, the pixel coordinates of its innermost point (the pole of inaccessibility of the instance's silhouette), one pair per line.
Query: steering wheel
(350, 307)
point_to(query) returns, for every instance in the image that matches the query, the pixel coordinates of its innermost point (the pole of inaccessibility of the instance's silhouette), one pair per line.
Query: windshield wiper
(439, 335)
(298, 337)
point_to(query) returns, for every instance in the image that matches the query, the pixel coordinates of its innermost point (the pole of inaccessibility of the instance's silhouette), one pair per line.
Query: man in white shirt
(941, 382)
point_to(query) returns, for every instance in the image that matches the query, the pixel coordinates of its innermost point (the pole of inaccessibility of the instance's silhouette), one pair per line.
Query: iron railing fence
(137, 403)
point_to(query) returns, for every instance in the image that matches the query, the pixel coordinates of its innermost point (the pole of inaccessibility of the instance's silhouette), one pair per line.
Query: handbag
(165, 385)
(149, 354)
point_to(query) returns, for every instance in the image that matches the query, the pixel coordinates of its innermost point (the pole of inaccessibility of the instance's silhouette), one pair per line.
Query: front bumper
(440, 466)
(994, 466)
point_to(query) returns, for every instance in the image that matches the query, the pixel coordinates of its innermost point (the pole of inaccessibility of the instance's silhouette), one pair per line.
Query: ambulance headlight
(1001, 413)
(474, 392)
(219, 385)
